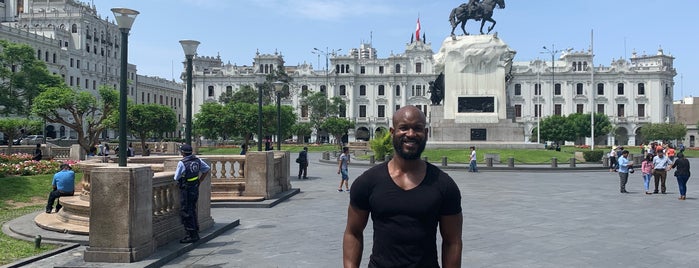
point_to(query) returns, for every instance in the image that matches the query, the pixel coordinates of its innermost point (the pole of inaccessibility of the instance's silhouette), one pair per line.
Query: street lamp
(260, 83)
(278, 86)
(326, 53)
(125, 18)
(190, 48)
(553, 52)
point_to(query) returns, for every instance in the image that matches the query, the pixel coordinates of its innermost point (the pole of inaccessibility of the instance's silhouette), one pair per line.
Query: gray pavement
(511, 219)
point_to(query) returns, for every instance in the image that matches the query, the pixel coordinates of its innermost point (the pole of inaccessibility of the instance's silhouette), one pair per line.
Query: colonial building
(83, 48)
(630, 92)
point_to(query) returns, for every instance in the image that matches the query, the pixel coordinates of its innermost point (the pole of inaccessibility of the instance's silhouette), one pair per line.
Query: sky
(236, 29)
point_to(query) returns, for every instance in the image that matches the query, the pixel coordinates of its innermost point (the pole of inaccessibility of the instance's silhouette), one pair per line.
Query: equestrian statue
(474, 10)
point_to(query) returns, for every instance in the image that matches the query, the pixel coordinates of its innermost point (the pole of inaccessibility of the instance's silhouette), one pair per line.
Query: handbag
(298, 160)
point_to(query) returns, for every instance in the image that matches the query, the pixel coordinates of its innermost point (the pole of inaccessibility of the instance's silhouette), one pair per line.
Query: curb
(542, 168)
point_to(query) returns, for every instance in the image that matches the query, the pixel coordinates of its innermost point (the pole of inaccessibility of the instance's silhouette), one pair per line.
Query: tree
(664, 131)
(87, 114)
(12, 127)
(210, 120)
(244, 94)
(337, 127)
(382, 144)
(302, 130)
(320, 108)
(269, 122)
(146, 120)
(581, 125)
(556, 128)
(22, 78)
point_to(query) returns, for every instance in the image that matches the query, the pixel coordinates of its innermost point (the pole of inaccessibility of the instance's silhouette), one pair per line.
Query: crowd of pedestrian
(658, 160)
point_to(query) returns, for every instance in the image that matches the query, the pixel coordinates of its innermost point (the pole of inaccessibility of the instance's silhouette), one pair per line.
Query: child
(343, 162)
(647, 171)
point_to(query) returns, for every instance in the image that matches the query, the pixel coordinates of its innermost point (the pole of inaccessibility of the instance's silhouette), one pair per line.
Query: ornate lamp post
(190, 49)
(278, 87)
(125, 18)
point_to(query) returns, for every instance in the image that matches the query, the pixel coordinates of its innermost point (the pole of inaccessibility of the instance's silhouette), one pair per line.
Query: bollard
(37, 241)
(444, 161)
(511, 162)
(605, 161)
(554, 162)
(372, 159)
(572, 162)
(335, 154)
(489, 162)
(326, 156)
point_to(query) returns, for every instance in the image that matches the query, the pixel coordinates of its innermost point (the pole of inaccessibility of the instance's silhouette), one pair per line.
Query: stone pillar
(572, 162)
(258, 173)
(554, 162)
(121, 214)
(77, 152)
(489, 162)
(511, 162)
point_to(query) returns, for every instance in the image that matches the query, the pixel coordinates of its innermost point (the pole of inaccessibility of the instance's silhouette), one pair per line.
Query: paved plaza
(511, 219)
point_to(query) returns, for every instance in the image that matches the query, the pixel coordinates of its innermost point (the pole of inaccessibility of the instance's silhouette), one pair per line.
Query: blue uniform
(187, 175)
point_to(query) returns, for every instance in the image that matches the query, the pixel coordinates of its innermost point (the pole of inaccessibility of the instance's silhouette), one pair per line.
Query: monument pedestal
(475, 71)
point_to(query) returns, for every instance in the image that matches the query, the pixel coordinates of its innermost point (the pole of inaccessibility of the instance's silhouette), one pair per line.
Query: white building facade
(83, 48)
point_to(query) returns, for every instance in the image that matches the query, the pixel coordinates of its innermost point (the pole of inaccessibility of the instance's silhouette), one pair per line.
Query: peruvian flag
(417, 30)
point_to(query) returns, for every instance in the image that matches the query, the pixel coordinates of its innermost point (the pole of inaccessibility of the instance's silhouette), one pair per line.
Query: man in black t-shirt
(407, 199)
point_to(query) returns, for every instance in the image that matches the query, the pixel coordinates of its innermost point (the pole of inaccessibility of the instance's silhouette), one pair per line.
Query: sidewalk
(511, 219)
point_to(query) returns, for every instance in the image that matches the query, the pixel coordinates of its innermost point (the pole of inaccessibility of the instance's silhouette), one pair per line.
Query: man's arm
(450, 229)
(339, 165)
(353, 240)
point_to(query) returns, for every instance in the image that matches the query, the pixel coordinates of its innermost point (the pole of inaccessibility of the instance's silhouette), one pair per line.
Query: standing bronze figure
(474, 10)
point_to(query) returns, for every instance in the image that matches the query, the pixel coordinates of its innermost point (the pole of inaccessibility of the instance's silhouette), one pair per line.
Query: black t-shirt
(682, 167)
(405, 222)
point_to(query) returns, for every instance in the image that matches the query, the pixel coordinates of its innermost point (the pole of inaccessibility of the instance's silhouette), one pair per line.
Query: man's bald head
(406, 112)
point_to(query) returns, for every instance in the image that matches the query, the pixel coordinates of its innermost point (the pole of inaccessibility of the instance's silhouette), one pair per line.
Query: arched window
(211, 91)
(323, 89)
(397, 90)
(304, 89)
(641, 89)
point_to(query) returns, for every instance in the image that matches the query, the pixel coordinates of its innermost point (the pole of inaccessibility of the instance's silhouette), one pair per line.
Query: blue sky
(236, 29)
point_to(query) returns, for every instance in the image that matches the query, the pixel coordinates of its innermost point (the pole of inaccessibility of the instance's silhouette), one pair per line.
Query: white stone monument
(475, 71)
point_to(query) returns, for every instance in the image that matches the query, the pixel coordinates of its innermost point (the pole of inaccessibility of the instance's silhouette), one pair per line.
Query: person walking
(623, 165)
(63, 185)
(303, 163)
(682, 173)
(647, 171)
(660, 165)
(612, 160)
(670, 153)
(190, 172)
(472, 164)
(408, 199)
(37, 153)
(342, 168)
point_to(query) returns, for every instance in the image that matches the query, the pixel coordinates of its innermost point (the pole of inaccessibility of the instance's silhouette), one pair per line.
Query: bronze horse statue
(482, 11)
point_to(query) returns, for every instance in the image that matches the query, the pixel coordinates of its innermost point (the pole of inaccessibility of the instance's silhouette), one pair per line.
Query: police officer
(189, 174)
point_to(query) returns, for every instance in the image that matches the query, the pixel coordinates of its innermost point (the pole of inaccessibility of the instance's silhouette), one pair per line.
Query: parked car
(32, 139)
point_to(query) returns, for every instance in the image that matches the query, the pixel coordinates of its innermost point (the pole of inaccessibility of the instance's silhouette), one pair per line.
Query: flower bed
(22, 165)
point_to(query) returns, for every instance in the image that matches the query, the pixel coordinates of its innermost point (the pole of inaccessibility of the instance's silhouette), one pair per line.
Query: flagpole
(592, 78)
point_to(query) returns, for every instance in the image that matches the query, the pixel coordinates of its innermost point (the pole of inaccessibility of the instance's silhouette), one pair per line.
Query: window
(620, 88)
(418, 90)
(518, 110)
(87, 83)
(161, 99)
(94, 84)
(304, 89)
(558, 109)
(229, 89)
(580, 108)
(323, 89)
(641, 110)
(148, 98)
(211, 91)
(397, 68)
(46, 56)
(77, 82)
(397, 90)
(71, 80)
(362, 70)
(380, 69)
(641, 89)
(304, 111)
(600, 108)
(620, 110)
(38, 54)
(72, 62)
(362, 110)
(600, 89)
(579, 89)
(362, 90)
(397, 107)
(667, 90)
(74, 28)
(381, 90)
(557, 90)
(518, 89)
(381, 112)
(343, 90)
(537, 89)
(418, 67)
(77, 64)
(537, 110)
(143, 95)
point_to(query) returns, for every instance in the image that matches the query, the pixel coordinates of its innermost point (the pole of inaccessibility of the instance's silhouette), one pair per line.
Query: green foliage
(664, 131)
(382, 144)
(239, 119)
(593, 156)
(30, 77)
(88, 115)
(555, 128)
(12, 127)
(572, 128)
(244, 94)
(337, 127)
(302, 130)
